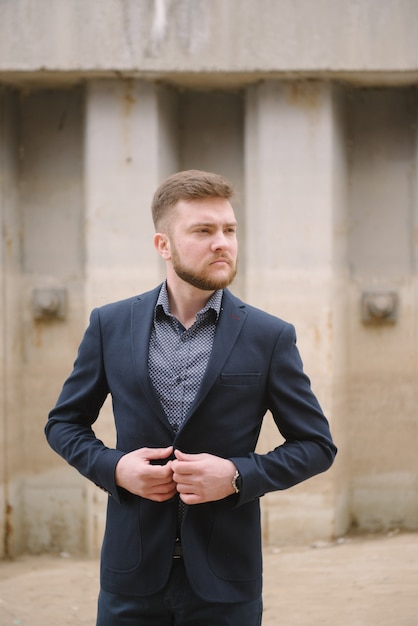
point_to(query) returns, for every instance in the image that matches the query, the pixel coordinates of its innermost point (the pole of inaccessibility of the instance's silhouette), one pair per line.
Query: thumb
(157, 453)
(182, 456)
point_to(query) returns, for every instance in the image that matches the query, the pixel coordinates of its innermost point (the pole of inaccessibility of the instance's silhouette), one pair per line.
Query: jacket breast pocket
(241, 379)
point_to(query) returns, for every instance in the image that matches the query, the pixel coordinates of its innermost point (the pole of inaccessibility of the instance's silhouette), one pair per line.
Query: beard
(199, 279)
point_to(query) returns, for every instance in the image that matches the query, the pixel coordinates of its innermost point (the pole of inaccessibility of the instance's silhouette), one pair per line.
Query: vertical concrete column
(130, 146)
(382, 360)
(127, 152)
(11, 454)
(295, 253)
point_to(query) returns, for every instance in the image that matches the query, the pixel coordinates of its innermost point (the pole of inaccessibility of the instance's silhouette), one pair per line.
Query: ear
(162, 245)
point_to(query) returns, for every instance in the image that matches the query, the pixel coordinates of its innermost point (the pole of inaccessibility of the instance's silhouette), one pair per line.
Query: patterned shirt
(178, 357)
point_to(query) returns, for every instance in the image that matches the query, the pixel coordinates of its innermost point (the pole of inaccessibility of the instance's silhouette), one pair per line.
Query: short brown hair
(187, 185)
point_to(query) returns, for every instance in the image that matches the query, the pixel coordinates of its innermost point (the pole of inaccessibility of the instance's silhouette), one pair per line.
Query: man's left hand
(202, 477)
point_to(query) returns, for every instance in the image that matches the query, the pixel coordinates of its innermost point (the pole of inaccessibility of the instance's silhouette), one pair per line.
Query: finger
(182, 470)
(185, 487)
(183, 456)
(161, 488)
(154, 454)
(161, 497)
(165, 488)
(190, 498)
(159, 474)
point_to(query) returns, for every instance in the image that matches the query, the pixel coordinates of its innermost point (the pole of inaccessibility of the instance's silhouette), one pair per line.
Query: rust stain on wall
(129, 102)
(305, 95)
(128, 98)
(8, 529)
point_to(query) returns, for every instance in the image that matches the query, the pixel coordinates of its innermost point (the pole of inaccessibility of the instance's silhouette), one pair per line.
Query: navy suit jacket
(254, 367)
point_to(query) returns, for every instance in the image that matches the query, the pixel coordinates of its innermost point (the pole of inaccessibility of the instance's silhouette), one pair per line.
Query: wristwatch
(236, 482)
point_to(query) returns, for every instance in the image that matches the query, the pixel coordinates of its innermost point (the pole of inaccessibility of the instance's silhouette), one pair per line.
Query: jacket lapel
(229, 326)
(231, 320)
(142, 319)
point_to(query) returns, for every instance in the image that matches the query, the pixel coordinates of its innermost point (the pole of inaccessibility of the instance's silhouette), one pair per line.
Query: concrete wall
(233, 37)
(382, 359)
(11, 427)
(295, 181)
(311, 110)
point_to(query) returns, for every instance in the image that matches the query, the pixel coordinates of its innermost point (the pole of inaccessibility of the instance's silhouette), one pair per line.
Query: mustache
(222, 257)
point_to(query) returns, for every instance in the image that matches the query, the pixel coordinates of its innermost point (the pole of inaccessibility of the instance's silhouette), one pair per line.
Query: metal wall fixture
(49, 303)
(379, 307)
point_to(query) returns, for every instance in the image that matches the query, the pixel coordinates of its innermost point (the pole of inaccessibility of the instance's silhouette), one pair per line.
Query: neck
(186, 301)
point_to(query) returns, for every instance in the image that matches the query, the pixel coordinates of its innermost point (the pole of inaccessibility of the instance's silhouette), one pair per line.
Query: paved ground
(357, 581)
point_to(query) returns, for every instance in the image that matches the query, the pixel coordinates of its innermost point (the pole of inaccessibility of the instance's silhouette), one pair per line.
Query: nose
(220, 241)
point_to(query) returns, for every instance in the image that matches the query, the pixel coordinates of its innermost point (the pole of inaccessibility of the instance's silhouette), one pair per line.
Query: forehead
(216, 210)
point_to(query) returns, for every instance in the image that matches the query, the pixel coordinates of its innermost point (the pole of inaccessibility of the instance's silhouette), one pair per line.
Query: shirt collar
(213, 304)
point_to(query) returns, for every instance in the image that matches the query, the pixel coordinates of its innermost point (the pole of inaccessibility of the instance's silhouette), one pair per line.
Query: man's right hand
(135, 473)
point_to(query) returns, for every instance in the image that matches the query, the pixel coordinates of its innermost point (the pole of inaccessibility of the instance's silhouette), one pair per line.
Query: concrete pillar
(52, 261)
(212, 139)
(131, 145)
(382, 370)
(295, 187)
(11, 456)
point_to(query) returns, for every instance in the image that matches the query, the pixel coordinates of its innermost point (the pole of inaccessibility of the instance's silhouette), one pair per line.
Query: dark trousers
(176, 605)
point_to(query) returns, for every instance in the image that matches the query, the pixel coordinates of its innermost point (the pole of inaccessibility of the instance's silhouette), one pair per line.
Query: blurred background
(310, 107)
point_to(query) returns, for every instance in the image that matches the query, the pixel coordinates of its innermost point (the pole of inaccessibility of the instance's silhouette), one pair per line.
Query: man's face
(203, 243)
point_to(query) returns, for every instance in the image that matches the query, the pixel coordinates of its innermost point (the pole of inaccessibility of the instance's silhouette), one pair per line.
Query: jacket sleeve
(308, 448)
(69, 427)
